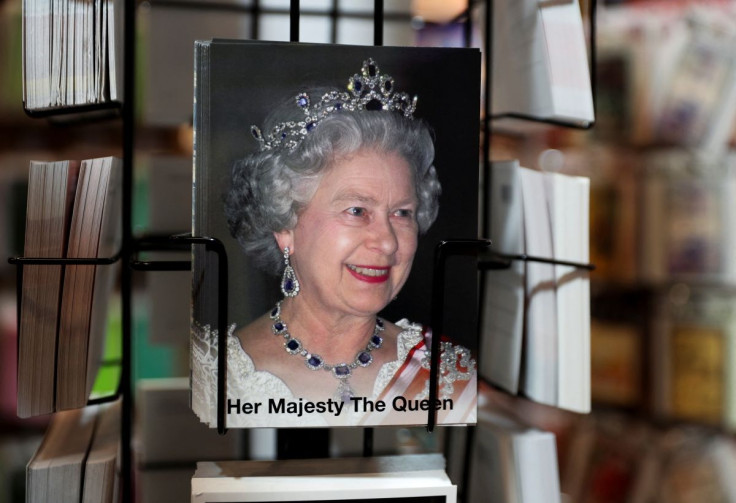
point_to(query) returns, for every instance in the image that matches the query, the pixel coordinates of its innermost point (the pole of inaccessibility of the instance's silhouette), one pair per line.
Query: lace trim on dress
(410, 336)
(248, 384)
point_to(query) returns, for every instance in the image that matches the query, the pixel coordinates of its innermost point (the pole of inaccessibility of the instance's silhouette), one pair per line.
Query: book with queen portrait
(330, 173)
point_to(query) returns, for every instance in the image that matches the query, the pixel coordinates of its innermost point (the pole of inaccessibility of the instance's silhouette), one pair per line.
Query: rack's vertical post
(468, 26)
(333, 21)
(255, 17)
(378, 23)
(294, 21)
(128, 117)
(487, 112)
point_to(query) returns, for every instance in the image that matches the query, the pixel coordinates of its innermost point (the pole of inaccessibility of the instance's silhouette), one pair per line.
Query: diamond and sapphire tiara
(368, 90)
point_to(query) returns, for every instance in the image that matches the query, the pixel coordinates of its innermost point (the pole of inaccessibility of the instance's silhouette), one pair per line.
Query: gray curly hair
(268, 189)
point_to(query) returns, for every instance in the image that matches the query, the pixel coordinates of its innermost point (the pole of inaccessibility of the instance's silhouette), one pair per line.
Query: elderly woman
(333, 201)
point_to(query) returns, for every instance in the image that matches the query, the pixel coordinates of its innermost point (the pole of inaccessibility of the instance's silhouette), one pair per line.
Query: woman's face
(354, 243)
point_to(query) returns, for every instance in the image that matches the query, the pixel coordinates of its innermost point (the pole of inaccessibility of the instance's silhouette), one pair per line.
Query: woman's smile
(369, 274)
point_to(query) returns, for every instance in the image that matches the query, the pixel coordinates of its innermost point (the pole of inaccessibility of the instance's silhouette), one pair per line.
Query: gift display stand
(132, 248)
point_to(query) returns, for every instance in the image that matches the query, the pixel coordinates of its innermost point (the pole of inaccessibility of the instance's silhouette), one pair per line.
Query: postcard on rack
(414, 478)
(330, 173)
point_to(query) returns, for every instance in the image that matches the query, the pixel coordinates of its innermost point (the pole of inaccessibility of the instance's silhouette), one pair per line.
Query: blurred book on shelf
(616, 363)
(693, 351)
(675, 63)
(605, 459)
(512, 461)
(72, 53)
(78, 458)
(614, 459)
(620, 334)
(73, 212)
(614, 204)
(11, 40)
(417, 478)
(688, 225)
(543, 308)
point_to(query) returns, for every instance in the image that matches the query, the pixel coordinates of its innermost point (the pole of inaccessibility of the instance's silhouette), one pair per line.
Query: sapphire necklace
(340, 371)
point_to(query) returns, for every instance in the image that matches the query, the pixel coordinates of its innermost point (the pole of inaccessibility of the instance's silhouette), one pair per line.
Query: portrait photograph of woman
(330, 173)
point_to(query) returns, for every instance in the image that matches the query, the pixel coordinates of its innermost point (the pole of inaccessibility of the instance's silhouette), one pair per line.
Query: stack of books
(74, 211)
(540, 61)
(72, 52)
(540, 307)
(78, 460)
(511, 461)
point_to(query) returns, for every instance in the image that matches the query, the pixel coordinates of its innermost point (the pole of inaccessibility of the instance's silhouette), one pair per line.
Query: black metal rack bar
(21, 262)
(495, 260)
(367, 442)
(486, 123)
(182, 242)
(467, 460)
(378, 22)
(256, 10)
(215, 245)
(126, 280)
(294, 21)
(70, 110)
(165, 244)
(334, 14)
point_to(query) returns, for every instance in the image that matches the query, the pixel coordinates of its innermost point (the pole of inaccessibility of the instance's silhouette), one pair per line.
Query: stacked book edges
(78, 460)
(72, 52)
(511, 460)
(74, 211)
(536, 318)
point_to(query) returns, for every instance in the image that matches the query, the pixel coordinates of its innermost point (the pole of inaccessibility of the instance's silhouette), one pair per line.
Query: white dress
(246, 385)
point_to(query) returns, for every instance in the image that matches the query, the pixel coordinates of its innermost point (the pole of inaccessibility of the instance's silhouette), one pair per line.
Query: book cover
(347, 213)
(511, 460)
(691, 350)
(615, 363)
(540, 58)
(503, 295)
(541, 360)
(567, 200)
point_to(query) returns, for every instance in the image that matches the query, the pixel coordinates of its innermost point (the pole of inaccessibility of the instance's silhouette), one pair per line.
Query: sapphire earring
(289, 283)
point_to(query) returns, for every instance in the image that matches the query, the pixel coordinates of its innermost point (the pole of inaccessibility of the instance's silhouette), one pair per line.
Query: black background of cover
(247, 78)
